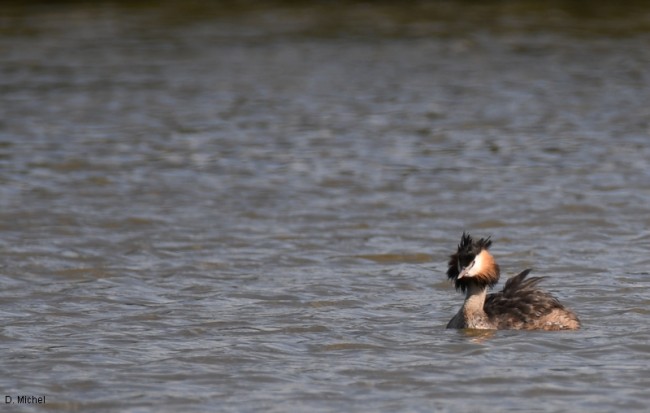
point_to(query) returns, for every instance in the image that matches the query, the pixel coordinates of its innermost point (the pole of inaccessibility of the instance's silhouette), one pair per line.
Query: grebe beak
(464, 272)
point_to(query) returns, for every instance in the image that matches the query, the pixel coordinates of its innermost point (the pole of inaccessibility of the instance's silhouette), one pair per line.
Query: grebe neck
(472, 313)
(474, 299)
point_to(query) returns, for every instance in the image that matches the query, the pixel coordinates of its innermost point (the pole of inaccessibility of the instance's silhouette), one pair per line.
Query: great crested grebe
(519, 306)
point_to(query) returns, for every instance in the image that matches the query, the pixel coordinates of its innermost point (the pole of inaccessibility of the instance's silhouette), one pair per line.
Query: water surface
(250, 209)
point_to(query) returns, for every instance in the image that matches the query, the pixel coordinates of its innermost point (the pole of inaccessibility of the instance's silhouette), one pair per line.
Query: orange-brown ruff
(519, 306)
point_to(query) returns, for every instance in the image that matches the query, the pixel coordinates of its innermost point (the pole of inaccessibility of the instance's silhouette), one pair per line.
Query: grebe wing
(519, 282)
(520, 302)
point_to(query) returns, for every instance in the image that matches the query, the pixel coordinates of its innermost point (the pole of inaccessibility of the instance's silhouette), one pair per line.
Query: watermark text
(24, 399)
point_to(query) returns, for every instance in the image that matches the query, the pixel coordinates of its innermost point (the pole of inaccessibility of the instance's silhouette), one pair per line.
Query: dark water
(231, 208)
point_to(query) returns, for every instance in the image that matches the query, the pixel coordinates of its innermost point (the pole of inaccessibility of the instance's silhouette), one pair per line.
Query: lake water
(250, 207)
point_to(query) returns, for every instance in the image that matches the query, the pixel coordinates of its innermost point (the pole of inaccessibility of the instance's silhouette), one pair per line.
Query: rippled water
(238, 209)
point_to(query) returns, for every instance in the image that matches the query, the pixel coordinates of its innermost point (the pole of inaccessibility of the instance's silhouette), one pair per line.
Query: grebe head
(473, 264)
